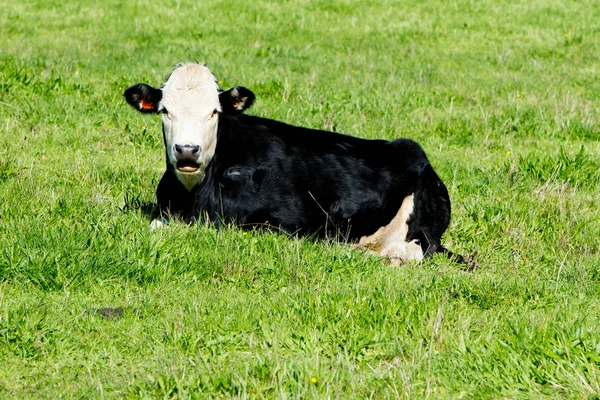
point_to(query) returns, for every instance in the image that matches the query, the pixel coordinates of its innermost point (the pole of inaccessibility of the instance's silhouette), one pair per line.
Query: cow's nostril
(178, 149)
(195, 149)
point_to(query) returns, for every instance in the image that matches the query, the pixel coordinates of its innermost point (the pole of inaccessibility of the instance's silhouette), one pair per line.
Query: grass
(504, 97)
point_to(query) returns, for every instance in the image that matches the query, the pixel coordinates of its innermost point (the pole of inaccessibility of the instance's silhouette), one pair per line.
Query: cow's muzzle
(186, 157)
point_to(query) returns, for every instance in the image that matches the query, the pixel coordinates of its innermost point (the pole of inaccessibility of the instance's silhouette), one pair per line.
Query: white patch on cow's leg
(395, 244)
(390, 241)
(158, 223)
(403, 251)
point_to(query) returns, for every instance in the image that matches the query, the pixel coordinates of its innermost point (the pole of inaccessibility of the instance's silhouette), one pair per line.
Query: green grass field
(505, 98)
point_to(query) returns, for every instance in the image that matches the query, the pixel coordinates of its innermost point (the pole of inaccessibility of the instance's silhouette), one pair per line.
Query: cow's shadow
(149, 209)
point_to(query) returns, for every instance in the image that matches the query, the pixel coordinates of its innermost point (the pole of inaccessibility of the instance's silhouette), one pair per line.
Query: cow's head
(190, 103)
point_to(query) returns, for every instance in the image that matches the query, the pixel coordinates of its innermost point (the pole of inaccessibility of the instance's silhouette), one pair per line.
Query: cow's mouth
(187, 167)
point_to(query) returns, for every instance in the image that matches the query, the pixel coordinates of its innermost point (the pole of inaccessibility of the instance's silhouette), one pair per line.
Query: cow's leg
(403, 251)
(173, 199)
(391, 241)
(397, 247)
(431, 212)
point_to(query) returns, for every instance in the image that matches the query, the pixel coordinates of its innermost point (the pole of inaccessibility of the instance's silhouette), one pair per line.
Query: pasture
(504, 97)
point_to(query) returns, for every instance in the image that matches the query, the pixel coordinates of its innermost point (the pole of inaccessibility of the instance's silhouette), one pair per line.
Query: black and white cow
(228, 167)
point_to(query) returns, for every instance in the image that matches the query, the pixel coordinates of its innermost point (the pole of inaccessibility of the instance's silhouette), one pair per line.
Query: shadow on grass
(149, 209)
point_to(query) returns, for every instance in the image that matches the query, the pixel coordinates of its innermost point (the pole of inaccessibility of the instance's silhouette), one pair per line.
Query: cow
(228, 167)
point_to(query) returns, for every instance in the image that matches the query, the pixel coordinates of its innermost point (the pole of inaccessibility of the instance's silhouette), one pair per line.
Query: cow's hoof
(158, 223)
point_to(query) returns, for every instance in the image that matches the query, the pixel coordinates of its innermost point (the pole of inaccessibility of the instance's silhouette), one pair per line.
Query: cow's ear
(236, 100)
(143, 98)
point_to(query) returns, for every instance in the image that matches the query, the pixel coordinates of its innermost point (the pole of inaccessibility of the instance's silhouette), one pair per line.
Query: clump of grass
(8, 169)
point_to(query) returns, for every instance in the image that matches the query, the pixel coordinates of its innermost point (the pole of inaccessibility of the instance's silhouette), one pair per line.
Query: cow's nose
(187, 151)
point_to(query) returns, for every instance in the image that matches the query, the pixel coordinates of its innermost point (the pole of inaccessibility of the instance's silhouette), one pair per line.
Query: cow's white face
(190, 103)
(190, 114)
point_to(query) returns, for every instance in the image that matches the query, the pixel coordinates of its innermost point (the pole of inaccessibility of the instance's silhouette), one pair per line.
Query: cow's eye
(166, 114)
(215, 112)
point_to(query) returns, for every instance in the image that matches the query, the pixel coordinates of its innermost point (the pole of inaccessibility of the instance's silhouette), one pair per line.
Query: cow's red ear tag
(146, 105)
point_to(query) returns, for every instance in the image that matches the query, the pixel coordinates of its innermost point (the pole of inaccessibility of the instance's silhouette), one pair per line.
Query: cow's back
(315, 182)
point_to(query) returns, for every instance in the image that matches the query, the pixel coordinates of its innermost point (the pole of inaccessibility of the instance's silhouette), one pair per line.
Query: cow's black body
(311, 182)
